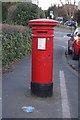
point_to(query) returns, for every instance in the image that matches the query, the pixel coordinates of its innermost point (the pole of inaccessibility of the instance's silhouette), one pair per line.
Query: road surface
(63, 103)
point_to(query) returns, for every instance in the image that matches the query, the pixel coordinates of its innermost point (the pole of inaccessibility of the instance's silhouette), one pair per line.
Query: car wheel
(79, 60)
(69, 51)
(74, 56)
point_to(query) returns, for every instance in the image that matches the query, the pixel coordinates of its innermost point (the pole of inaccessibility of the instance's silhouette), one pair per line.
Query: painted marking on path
(61, 46)
(64, 97)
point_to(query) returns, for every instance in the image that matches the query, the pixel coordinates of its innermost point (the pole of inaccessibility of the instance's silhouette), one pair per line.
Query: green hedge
(15, 46)
(21, 13)
(25, 12)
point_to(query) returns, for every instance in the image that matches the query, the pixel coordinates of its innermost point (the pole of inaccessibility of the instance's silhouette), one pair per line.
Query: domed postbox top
(43, 22)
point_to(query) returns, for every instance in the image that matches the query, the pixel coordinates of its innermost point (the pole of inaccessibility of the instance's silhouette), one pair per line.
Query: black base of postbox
(42, 90)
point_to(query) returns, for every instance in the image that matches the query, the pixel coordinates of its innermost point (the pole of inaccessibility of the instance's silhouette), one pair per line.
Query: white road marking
(64, 97)
(61, 46)
(66, 37)
(61, 37)
(58, 32)
(58, 37)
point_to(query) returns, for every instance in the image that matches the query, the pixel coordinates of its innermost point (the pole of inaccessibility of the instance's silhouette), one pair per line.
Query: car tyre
(69, 51)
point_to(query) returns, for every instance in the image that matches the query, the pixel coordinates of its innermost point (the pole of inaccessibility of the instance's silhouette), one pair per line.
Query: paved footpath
(0, 94)
(16, 94)
(16, 88)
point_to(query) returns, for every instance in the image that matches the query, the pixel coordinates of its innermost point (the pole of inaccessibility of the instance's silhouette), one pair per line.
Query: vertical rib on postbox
(42, 56)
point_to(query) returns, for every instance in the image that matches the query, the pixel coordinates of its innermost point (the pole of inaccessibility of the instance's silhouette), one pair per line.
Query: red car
(76, 48)
(74, 45)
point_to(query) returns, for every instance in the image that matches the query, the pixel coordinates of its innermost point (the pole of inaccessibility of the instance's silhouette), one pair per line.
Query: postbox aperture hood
(43, 22)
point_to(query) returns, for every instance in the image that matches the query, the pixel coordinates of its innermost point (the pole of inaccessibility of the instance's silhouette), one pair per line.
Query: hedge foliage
(15, 46)
(21, 13)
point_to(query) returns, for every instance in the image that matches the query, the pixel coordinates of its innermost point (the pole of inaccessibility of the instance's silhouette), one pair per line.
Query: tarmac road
(16, 87)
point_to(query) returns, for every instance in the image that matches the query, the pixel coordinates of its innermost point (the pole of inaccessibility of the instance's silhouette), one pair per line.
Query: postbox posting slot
(45, 32)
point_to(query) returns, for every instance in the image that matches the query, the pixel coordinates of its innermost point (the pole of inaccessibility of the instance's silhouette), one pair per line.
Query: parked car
(79, 59)
(70, 43)
(74, 44)
(76, 48)
(70, 23)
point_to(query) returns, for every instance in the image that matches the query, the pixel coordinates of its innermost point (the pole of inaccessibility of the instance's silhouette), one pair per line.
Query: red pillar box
(42, 56)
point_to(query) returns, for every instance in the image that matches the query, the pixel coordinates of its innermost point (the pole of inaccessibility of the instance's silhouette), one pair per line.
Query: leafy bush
(6, 28)
(25, 12)
(15, 46)
(21, 13)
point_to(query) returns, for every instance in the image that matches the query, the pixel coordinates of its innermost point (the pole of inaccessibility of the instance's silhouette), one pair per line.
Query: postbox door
(42, 59)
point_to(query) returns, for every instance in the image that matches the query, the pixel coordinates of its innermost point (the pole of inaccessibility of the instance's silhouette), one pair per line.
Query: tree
(5, 6)
(22, 12)
(69, 8)
(58, 11)
(77, 16)
(52, 8)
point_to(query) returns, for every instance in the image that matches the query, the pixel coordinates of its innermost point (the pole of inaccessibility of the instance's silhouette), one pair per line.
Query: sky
(44, 4)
